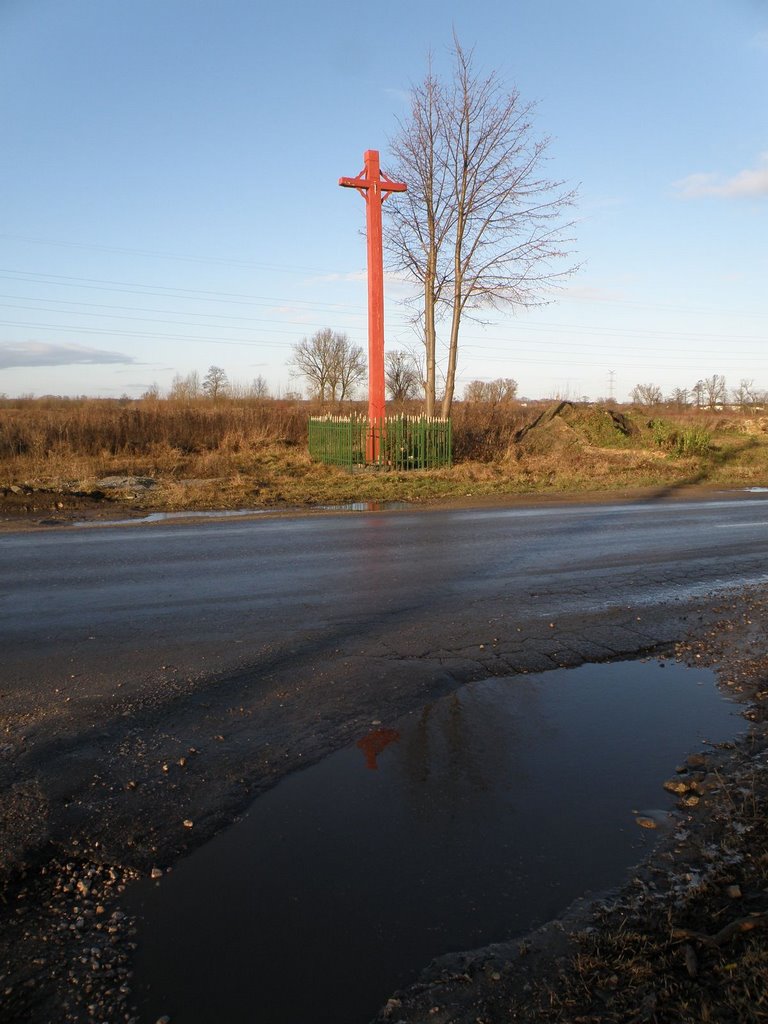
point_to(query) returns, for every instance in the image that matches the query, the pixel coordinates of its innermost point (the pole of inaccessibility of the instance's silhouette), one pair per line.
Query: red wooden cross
(374, 187)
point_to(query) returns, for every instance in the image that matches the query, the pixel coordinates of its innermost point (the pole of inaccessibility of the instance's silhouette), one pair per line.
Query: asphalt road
(227, 589)
(263, 643)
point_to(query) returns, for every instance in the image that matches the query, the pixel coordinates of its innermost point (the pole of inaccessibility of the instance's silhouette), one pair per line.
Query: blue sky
(169, 186)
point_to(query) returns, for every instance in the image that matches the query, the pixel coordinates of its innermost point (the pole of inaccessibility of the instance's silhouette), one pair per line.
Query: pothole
(469, 822)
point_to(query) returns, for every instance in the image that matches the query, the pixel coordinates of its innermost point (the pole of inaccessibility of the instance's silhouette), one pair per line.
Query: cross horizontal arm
(358, 182)
(387, 185)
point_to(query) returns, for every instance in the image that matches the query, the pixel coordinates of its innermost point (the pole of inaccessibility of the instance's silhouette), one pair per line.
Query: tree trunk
(429, 345)
(453, 351)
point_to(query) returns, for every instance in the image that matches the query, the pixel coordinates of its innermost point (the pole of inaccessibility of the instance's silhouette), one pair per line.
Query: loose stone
(677, 786)
(690, 800)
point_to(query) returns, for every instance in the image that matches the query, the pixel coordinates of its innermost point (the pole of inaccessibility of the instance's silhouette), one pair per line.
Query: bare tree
(714, 389)
(480, 226)
(744, 394)
(401, 376)
(185, 388)
(698, 393)
(259, 388)
(493, 392)
(329, 363)
(349, 371)
(215, 382)
(474, 392)
(680, 397)
(646, 394)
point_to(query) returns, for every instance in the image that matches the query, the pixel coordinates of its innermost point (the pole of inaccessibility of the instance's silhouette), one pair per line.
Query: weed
(693, 441)
(680, 441)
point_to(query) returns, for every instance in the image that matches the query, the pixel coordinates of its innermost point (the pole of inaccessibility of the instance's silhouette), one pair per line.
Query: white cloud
(748, 183)
(760, 41)
(41, 353)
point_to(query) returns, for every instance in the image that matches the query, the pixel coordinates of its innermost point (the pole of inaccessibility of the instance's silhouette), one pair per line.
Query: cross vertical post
(374, 187)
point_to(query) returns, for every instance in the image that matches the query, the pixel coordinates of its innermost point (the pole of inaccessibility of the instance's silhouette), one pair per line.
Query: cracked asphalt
(155, 676)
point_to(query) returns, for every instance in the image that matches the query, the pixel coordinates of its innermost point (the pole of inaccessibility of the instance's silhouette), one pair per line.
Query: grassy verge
(239, 453)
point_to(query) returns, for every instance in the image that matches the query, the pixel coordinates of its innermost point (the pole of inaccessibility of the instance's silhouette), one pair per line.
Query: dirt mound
(565, 425)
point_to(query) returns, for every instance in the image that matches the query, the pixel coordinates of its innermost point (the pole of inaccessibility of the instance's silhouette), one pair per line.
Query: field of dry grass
(236, 453)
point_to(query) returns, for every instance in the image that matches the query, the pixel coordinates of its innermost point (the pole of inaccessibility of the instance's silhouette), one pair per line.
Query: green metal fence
(338, 440)
(396, 442)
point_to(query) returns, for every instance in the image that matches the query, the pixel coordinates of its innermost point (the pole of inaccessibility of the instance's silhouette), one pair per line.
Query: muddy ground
(24, 506)
(87, 809)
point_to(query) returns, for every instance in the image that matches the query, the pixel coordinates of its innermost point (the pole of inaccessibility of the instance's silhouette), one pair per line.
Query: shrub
(683, 442)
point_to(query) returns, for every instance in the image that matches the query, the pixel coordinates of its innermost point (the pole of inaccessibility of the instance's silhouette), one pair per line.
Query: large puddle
(469, 822)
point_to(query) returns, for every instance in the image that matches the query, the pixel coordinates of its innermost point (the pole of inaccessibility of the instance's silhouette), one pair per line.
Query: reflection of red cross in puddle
(376, 743)
(374, 187)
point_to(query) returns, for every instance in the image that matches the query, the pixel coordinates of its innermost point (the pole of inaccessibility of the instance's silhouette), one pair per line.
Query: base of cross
(394, 442)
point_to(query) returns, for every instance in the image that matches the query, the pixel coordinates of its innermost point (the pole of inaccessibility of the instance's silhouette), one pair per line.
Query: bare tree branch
(402, 376)
(329, 363)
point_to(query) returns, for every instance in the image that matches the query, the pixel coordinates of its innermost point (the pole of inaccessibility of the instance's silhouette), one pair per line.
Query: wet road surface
(245, 649)
(231, 592)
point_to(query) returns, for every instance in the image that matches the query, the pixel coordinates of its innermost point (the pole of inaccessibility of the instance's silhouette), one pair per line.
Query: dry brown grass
(95, 428)
(253, 453)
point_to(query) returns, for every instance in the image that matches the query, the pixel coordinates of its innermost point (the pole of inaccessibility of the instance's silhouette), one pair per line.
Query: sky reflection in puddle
(471, 821)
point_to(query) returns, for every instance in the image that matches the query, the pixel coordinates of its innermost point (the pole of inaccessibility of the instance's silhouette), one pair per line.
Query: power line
(157, 254)
(163, 291)
(548, 327)
(515, 344)
(298, 268)
(145, 319)
(153, 335)
(265, 303)
(242, 297)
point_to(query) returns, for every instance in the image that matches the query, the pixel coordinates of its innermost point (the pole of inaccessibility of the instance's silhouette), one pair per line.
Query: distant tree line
(215, 384)
(333, 370)
(492, 392)
(707, 393)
